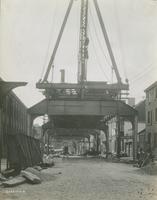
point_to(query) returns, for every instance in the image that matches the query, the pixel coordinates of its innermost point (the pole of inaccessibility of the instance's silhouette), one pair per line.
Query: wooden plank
(37, 168)
(2, 178)
(14, 181)
(31, 177)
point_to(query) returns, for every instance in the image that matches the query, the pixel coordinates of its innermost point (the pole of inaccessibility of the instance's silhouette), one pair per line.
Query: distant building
(140, 107)
(37, 131)
(131, 101)
(127, 131)
(126, 136)
(141, 139)
(151, 117)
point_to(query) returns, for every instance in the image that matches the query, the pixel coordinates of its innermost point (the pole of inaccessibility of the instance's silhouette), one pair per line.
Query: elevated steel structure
(85, 104)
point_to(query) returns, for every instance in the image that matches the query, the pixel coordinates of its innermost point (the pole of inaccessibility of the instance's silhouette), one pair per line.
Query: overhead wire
(141, 75)
(143, 70)
(146, 69)
(94, 50)
(119, 35)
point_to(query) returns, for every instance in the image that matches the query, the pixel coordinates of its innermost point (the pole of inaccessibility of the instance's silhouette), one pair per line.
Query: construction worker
(140, 157)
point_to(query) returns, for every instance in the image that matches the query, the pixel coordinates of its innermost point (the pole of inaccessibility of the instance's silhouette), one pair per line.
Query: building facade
(140, 107)
(151, 118)
(18, 149)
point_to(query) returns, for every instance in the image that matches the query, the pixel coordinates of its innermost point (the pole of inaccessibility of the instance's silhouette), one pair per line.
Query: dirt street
(91, 179)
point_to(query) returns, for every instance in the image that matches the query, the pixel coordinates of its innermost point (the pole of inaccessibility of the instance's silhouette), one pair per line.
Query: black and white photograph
(78, 99)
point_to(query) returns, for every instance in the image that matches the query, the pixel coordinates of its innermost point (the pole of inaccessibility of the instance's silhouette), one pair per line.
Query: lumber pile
(2, 178)
(30, 177)
(17, 180)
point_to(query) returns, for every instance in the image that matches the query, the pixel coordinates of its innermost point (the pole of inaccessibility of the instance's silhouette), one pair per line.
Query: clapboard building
(151, 117)
(17, 148)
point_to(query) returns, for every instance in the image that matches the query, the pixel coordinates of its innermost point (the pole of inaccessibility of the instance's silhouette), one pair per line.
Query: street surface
(87, 179)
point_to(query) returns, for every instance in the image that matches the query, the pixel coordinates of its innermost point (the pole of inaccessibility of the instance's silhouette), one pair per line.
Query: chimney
(62, 75)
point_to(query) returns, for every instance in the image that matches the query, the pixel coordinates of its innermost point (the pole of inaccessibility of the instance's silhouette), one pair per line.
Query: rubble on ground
(150, 168)
(34, 171)
(48, 161)
(2, 178)
(32, 175)
(14, 181)
(10, 172)
(37, 168)
(28, 175)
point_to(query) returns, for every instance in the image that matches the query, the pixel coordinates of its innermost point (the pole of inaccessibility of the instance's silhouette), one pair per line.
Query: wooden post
(48, 142)
(135, 131)
(97, 143)
(89, 142)
(1, 135)
(118, 136)
(30, 120)
(107, 140)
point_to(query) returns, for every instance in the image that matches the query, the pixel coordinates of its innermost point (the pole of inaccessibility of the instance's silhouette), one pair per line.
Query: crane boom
(83, 89)
(58, 41)
(114, 65)
(83, 42)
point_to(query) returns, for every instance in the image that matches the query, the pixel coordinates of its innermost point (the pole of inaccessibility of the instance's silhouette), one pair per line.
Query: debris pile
(14, 181)
(32, 178)
(23, 177)
(32, 175)
(150, 168)
(48, 161)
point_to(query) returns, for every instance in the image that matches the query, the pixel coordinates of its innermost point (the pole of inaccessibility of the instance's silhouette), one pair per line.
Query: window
(150, 95)
(156, 114)
(150, 117)
(155, 139)
(149, 138)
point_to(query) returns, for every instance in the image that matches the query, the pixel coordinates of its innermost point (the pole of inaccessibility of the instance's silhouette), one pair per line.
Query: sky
(29, 29)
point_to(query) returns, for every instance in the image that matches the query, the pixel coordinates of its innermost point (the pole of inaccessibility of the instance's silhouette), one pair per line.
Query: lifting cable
(96, 55)
(97, 37)
(119, 37)
(51, 37)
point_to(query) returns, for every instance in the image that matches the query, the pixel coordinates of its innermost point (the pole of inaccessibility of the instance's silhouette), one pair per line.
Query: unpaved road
(91, 179)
